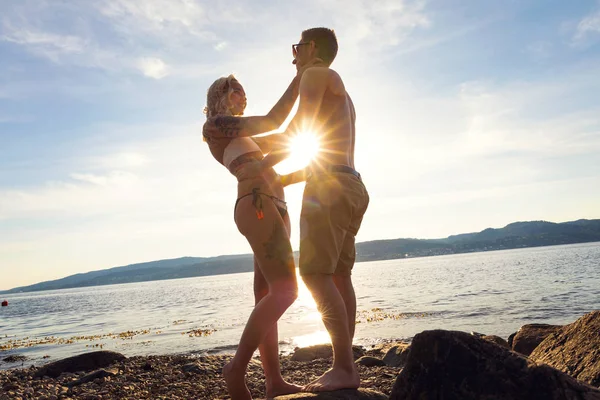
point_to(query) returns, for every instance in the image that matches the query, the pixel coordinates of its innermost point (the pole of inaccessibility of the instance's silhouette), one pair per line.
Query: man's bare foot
(334, 379)
(281, 388)
(236, 383)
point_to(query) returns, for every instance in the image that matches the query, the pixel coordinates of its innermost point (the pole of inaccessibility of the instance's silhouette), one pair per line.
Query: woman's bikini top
(233, 152)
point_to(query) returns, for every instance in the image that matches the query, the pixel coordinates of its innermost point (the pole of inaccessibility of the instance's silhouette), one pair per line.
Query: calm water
(492, 293)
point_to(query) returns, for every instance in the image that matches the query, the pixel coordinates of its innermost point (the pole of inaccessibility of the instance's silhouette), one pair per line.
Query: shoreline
(177, 377)
(19, 359)
(538, 361)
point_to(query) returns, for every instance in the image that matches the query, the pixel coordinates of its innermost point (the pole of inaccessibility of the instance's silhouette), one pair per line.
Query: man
(334, 199)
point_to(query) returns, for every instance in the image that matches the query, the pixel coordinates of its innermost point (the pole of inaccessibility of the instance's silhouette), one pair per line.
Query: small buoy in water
(5, 303)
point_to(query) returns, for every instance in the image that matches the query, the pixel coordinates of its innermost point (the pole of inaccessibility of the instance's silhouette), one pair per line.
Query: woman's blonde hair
(218, 97)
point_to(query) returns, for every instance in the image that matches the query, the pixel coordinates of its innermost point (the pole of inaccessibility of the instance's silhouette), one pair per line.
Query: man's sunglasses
(295, 48)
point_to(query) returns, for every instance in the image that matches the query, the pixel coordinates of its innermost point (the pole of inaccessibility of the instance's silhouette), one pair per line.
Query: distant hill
(515, 235)
(184, 267)
(512, 236)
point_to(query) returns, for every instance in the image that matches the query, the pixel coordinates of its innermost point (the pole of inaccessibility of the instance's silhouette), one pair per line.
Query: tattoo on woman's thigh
(278, 246)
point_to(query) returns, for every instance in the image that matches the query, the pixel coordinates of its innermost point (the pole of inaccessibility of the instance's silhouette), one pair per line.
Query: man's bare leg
(343, 374)
(344, 286)
(269, 347)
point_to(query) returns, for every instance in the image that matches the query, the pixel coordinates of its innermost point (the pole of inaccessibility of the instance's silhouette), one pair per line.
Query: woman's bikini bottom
(257, 202)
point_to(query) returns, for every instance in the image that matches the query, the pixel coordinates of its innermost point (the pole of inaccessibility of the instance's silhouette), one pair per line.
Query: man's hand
(249, 170)
(285, 180)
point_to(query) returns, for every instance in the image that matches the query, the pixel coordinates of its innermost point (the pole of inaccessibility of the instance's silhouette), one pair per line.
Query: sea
(493, 293)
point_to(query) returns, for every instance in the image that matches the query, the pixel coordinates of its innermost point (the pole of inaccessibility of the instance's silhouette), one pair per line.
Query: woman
(260, 214)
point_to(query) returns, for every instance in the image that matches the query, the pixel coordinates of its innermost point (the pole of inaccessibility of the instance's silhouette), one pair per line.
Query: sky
(470, 115)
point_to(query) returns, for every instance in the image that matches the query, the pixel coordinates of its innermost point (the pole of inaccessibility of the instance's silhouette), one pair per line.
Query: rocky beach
(563, 362)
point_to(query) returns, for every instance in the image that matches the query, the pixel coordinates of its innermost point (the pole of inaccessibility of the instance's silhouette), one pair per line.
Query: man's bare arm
(312, 88)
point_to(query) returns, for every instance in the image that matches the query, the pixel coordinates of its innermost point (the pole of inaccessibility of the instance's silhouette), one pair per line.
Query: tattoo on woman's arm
(230, 127)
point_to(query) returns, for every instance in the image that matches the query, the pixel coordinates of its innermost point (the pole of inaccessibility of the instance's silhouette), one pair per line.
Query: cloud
(179, 23)
(381, 23)
(154, 15)
(115, 178)
(115, 39)
(153, 67)
(63, 43)
(84, 195)
(69, 49)
(171, 21)
(165, 172)
(479, 135)
(586, 31)
(524, 117)
(588, 25)
(118, 35)
(411, 46)
(220, 46)
(165, 198)
(127, 160)
(49, 45)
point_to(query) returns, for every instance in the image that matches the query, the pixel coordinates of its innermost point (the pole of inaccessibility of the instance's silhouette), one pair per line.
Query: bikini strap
(257, 202)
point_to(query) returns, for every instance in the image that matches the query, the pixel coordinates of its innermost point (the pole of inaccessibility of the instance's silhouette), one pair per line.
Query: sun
(304, 148)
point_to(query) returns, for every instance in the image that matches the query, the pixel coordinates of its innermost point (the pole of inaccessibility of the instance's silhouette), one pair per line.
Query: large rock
(346, 394)
(575, 349)
(529, 336)
(321, 351)
(396, 355)
(83, 362)
(455, 365)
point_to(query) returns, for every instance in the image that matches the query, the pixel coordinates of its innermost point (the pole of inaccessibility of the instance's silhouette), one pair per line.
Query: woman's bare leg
(269, 347)
(269, 240)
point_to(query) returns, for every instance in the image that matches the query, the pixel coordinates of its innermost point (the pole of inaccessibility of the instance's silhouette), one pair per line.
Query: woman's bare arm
(294, 177)
(232, 127)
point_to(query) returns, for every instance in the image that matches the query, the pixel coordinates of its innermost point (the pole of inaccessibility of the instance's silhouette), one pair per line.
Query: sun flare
(305, 144)
(304, 148)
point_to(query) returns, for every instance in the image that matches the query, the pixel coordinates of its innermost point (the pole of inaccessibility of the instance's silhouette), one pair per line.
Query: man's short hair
(325, 41)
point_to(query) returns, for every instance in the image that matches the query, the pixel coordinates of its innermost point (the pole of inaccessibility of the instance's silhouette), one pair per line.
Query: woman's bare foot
(236, 383)
(280, 388)
(334, 379)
